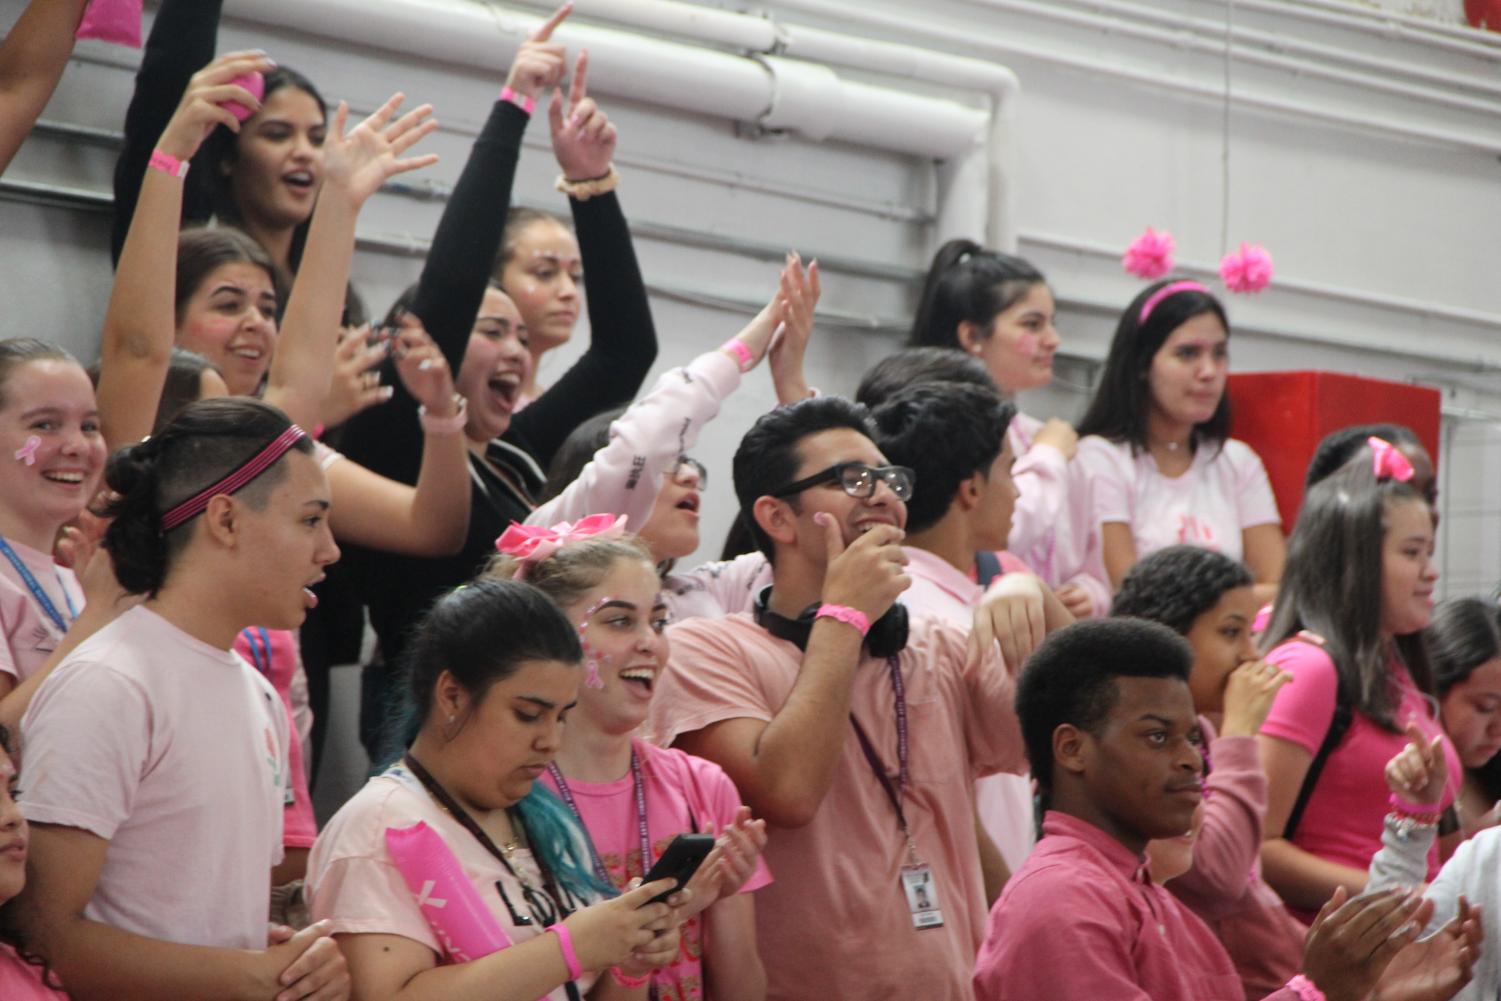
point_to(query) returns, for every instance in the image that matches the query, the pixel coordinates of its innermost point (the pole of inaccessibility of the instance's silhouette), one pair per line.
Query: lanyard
(639, 788)
(36, 589)
(895, 791)
(260, 652)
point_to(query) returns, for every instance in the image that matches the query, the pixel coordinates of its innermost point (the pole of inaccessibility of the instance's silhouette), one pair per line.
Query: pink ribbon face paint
(27, 453)
(591, 663)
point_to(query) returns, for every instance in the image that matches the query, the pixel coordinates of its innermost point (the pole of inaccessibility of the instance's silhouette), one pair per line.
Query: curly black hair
(1176, 585)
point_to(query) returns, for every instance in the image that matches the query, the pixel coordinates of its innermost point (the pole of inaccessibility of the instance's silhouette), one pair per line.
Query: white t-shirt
(1224, 492)
(175, 752)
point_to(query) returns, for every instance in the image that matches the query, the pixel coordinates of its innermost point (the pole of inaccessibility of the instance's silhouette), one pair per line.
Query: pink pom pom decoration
(1151, 256)
(1248, 269)
(253, 82)
(117, 21)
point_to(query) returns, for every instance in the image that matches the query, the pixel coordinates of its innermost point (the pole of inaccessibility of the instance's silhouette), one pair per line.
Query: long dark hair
(966, 282)
(1119, 409)
(1332, 586)
(10, 934)
(483, 633)
(1465, 633)
(203, 443)
(217, 156)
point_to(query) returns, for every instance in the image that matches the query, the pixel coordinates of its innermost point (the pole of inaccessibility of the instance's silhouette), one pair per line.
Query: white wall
(1364, 154)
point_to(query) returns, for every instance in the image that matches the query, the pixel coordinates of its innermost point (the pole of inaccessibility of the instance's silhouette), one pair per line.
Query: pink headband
(1171, 288)
(1387, 462)
(533, 543)
(257, 464)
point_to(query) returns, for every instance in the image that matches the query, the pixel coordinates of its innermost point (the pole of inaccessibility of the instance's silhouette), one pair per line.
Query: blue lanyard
(36, 589)
(259, 652)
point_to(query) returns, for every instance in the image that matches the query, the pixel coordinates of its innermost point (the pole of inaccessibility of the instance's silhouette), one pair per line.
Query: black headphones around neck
(887, 636)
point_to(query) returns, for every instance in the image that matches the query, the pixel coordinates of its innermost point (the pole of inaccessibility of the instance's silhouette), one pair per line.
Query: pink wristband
(571, 958)
(525, 103)
(1305, 989)
(444, 425)
(168, 164)
(849, 616)
(743, 356)
(1416, 811)
(626, 980)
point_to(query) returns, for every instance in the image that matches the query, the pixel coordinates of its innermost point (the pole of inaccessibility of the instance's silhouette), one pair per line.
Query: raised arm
(32, 59)
(139, 325)
(622, 338)
(180, 44)
(355, 166)
(785, 767)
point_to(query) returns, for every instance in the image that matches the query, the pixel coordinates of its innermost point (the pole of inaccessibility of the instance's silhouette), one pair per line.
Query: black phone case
(680, 861)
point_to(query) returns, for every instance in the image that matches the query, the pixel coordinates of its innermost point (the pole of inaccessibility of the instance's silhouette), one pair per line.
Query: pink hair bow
(1389, 463)
(531, 543)
(1248, 269)
(1150, 256)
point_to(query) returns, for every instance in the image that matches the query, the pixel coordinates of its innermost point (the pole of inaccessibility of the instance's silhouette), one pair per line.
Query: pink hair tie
(1388, 462)
(1248, 269)
(1170, 289)
(236, 480)
(1150, 256)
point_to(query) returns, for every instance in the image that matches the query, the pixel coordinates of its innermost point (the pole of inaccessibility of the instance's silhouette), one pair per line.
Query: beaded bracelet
(626, 980)
(582, 191)
(1420, 814)
(445, 425)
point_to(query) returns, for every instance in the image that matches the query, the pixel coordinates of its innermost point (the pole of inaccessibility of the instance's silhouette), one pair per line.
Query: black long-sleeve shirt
(388, 438)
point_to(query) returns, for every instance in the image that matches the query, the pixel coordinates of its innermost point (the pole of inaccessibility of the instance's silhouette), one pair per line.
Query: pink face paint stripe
(591, 665)
(27, 452)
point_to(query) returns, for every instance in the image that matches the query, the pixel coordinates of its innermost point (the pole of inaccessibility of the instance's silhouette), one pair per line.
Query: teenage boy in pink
(954, 438)
(842, 726)
(1113, 740)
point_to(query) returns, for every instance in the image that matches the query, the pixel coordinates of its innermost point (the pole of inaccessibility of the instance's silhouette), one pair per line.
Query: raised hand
(1249, 694)
(359, 162)
(584, 140)
(202, 104)
(799, 294)
(1436, 968)
(869, 574)
(729, 865)
(1419, 772)
(540, 63)
(423, 369)
(355, 384)
(1011, 615)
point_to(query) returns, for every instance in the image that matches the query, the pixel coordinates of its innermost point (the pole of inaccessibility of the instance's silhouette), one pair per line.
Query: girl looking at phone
(493, 671)
(631, 796)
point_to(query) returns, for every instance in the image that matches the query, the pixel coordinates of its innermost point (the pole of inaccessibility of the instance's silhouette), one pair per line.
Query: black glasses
(857, 479)
(688, 464)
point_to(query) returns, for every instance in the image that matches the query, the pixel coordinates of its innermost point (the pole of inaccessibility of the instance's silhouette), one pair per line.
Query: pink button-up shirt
(1083, 919)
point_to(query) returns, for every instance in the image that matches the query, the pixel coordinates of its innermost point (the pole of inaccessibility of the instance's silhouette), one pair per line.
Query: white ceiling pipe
(635, 67)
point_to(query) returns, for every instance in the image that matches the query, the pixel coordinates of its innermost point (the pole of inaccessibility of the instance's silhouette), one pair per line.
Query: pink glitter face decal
(27, 452)
(591, 662)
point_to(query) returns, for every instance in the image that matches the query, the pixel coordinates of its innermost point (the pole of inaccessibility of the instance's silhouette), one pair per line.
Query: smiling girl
(1348, 625)
(608, 588)
(1155, 443)
(51, 442)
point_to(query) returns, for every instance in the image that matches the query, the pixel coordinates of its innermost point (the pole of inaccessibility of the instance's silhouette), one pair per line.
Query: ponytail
(966, 282)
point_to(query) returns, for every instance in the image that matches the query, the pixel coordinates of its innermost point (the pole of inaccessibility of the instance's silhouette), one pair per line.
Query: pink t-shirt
(274, 653)
(174, 752)
(353, 882)
(1345, 814)
(1004, 802)
(684, 794)
(836, 924)
(22, 981)
(1224, 492)
(30, 634)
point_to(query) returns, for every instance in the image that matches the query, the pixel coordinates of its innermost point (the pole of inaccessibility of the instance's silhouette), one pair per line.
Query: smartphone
(680, 861)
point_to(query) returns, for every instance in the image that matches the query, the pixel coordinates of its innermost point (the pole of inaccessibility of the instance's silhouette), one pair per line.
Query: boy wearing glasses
(855, 734)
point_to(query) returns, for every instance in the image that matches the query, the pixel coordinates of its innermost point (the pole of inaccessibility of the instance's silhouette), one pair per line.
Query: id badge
(922, 896)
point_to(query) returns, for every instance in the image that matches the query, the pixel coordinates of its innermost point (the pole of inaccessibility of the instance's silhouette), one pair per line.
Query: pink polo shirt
(836, 924)
(30, 635)
(939, 589)
(1083, 919)
(1345, 814)
(683, 794)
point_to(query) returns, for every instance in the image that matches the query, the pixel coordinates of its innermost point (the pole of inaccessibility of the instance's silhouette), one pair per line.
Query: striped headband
(1171, 288)
(236, 480)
